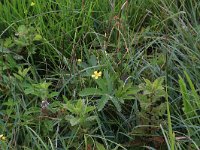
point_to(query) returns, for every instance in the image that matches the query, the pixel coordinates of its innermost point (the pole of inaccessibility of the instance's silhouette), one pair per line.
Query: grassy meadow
(99, 74)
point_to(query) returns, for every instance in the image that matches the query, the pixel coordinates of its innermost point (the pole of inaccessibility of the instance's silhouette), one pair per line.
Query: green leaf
(89, 109)
(4, 50)
(10, 102)
(102, 84)
(116, 103)
(29, 90)
(93, 60)
(64, 98)
(158, 82)
(109, 81)
(23, 72)
(187, 107)
(53, 94)
(91, 118)
(194, 92)
(80, 106)
(99, 146)
(37, 37)
(18, 77)
(148, 83)
(102, 102)
(73, 120)
(91, 92)
(70, 107)
(21, 42)
(22, 29)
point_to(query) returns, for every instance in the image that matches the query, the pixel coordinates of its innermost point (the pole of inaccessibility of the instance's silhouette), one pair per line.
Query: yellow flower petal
(100, 73)
(79, 60)
(2, 137)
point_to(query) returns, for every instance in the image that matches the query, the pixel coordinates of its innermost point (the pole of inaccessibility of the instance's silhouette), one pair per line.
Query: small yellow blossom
(2, 137)
(79, 60)
(32, 3)
(97, 74)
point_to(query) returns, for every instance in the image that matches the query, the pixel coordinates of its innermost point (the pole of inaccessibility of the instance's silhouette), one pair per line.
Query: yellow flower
(97, 74)
(2, 137)
(32, 3)
(79, 60)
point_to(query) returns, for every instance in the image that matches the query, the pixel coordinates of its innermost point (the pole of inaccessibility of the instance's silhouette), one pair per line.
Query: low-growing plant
(96, 53)
(110, 88)
(152, 106)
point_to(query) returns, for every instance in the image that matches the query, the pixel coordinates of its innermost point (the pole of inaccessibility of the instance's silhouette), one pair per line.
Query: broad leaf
(187, 107)
(102, 102)
(116, 103)
(99, 146)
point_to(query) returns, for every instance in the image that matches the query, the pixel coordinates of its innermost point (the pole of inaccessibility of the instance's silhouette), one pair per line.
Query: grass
(146, 98)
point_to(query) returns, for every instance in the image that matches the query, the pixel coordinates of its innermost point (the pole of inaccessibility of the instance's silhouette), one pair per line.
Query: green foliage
(24, 39)
(107, 90)
(152, 108)
(79, 113)
(49, 99)
(21, 73)
(190, 97)
(40, 90)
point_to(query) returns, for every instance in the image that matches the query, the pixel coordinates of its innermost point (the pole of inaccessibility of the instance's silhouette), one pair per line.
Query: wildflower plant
(152, 102)
(107, 91)
(79, 113)
(112, 92)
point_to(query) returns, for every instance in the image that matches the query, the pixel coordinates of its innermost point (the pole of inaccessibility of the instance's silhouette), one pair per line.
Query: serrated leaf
(64, 98)
(117, 104)
(22, 28)
(187, 107)
(109, 82)
(102, 102)
(23, 72)
(194, 92)
(91, 118)
(18, 77)
(158, 82)
(79, 107)
(102, 84)
(53, 94)
(29, 90)
(89, 109)
(70, 107)
(73, 120)
(10, 102)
